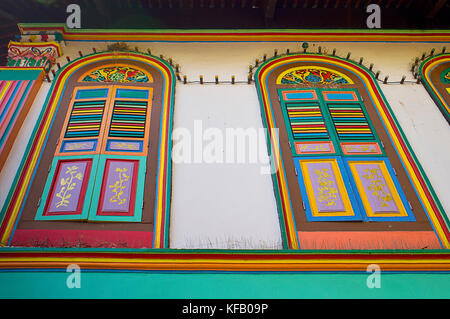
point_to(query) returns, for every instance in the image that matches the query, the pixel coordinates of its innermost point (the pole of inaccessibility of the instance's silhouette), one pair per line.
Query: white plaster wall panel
(427, 132)
(229, 205)
(233, 58)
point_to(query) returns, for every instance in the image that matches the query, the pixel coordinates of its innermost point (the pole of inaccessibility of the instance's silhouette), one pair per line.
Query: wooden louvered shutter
(98, 172)
(72, 175)
(120, 179)
(342, 169)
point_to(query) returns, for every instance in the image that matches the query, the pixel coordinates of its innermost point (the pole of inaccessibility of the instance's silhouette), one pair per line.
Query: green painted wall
(170, 285)
(19, 75)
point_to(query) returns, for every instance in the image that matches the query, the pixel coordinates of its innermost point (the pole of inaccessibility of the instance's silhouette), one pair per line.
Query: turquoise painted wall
(171, 285)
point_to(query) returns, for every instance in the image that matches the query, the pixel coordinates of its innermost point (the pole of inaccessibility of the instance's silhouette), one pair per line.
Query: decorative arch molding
(20, 189)
(396, 148)
(435, 75)
(117, 73)
(313, 75)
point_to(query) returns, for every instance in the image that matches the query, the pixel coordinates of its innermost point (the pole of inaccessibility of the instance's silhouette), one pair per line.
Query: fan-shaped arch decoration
(117, 74)
(445, 76)
(312, 75)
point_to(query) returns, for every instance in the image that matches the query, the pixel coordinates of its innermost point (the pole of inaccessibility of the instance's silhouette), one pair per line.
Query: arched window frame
(18, 193)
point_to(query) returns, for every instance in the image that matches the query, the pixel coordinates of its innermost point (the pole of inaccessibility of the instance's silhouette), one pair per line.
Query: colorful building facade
(352, 171)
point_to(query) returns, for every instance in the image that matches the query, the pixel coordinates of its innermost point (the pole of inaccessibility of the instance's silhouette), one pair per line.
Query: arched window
(435, 75)
(104, 165)
(345, 176)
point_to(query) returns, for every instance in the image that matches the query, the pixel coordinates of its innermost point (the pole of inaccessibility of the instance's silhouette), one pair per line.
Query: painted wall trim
(126, 260)
(251, 35)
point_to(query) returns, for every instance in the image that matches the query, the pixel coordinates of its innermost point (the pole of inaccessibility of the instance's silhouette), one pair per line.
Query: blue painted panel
(340, 96)
(67, 146)
(348, 187)
(300, 96)
(398, 187)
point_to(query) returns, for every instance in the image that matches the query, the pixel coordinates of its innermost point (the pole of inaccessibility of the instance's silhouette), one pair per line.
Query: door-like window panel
(138, 89)
(128, 122)
(83, 127)
(67, 192)
(325, 184)
(336, 118)
(108, 126)
(334, 122)
(378, 190)
(325, 116)
(120, 196)
(306, 122)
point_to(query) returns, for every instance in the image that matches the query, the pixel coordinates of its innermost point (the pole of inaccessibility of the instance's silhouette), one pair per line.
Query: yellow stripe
(81, 128)
(339, 183)
(157, 242)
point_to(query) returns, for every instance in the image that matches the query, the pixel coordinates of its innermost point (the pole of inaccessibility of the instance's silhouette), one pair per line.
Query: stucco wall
(232, 205)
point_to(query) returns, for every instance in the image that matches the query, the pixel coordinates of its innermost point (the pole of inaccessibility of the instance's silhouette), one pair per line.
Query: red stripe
(13, 200)
(165, 171)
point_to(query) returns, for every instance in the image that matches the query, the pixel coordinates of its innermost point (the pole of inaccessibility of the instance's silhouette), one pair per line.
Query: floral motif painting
(67, 190)
(117, 74)
(33, 54)
(312, 75)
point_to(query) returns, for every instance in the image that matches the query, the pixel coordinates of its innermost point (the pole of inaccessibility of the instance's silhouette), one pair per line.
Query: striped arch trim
(414, 170)
(14, 203)
(437, 95)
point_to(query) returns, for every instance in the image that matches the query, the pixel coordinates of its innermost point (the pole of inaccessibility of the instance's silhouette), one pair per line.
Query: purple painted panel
(116, 197)
(377, 190)
(326, 190)
(67, 187)
(125, 146)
